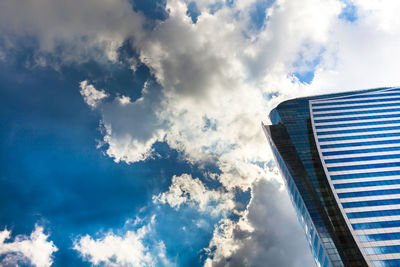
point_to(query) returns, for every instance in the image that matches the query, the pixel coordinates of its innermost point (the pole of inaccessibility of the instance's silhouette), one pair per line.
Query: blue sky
(53, 174)
(130, 130)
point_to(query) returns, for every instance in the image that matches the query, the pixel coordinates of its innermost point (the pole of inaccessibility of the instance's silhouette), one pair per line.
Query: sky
(130, 130)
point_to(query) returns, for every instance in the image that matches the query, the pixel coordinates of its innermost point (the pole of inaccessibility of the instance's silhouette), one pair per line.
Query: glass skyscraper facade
(339, 155)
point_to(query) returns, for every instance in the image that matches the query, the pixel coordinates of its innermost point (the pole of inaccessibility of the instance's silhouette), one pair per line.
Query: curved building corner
(339, 155)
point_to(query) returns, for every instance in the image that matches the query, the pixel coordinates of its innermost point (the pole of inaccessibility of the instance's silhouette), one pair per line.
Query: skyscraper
(339, 155)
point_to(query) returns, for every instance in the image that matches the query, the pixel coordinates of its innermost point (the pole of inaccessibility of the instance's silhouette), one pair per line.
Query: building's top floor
(296, 104)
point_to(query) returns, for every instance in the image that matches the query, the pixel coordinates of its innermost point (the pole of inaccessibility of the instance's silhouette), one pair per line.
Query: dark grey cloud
(73, 31)
(215, 69)
(277, 239)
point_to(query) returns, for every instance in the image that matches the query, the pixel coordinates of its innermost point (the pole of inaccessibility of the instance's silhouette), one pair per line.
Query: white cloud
(211, 72)
(124, 100)
(126, 250)
(131, 128)
(35, 249)
(72, 31)
(267, 234)
(362, 54)
(122, 250)
(91, 95)
(216, 73)
(187, 190)
(219, 79)
(215, 81)
(216, 85)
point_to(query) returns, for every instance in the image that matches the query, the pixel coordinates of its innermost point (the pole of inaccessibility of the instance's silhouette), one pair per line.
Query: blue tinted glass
(368, 143)
(396, 156)
(386, 263)
(369, 193)
(311, 231)
(356, 102)
(292, 191)
(357, 151)
(364, 238)
(373, 225)
(370, 203)
(294, 116)
(364, 166)
(375, 213)
(320, 253)
(376, 129)
(370, 111)
(315, 246)
(379, 237)
(274, 116)
(364, 175)
(300, 208)
(356, 124)
(326, 264)
(382, 250)
(357, 107)
(354, 137)
(296, 198)
(358, 118)
(364, 184)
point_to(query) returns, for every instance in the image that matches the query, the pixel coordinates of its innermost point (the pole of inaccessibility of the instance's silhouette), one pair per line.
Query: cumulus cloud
(218, 78)
(268, 233)
(121, 250)
(72, 31)
(187, 190)
(218, 84)
(35, 249)
(204, 82)
(362, 54)
(91, 95)
(131, 128)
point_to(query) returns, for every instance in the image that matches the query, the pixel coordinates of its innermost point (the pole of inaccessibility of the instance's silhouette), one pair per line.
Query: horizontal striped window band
(367, 158)
(382, 250)
(364, 175)
(374, 213)
(355, 102)
(368, 143)
(374, 225)
(386, 263)
(364, 166)
(371, 203)
(355, 107)
(379, 237)
(356, 124)
(355, 137)
(360, 151)
(365, 130)
(361, 112)
(359, 118)
(365, 184)
(369, 193)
